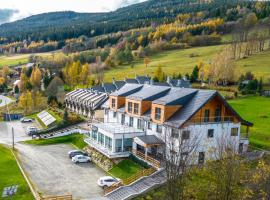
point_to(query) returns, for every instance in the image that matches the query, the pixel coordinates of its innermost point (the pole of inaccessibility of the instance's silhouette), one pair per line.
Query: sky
(11, 10)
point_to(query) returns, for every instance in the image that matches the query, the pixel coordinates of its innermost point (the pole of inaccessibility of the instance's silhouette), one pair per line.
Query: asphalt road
(19, 131)
(4, 100)
(53, 173)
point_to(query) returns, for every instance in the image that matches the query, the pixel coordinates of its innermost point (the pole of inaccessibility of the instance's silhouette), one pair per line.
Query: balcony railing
(209, 120)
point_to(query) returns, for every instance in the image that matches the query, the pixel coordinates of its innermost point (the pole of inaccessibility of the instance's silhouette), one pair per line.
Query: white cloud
(30, 7)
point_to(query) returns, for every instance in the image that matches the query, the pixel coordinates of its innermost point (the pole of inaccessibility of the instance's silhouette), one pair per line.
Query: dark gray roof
(150, 93)
(98, 88)
(161, 84)
(119, 84)
(109, 87)
(131, 80)
(180, 83)
(150, 139)
(191, 107)
(127, 89)
(176, 96)
(143, 79)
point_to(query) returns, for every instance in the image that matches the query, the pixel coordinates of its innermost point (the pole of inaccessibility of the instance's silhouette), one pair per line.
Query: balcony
(106, 150)
(211, 120)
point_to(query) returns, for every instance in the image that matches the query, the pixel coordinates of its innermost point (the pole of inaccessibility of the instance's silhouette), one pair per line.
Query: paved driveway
(19, 131)
(4, 100)
(53, 173)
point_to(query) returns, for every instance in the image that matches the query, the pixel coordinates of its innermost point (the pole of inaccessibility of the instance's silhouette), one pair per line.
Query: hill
(62, 25)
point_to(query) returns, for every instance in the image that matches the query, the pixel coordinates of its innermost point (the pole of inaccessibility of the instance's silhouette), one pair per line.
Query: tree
(16, 89)
(26, 102)
(36, 77)
(23, 80)
(159, 75)
(55, 88)
(85, 74)
(146, 61)
(47, 78)
(65, 117)
(5, 73)
(195, 74)
(178, 155)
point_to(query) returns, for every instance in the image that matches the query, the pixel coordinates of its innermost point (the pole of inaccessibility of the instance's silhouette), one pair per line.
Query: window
(185, 135)
(114, 114)
(106, 111)
(175, 133)
(159, 128)
(129, 107)
(149, 125)
(206, 115)
(210, 133)
(140, 124)
(122, 119)
(136, 108)
(157, 113)
(113, 103)
(218, 114)
(131, 121)
(234, 132)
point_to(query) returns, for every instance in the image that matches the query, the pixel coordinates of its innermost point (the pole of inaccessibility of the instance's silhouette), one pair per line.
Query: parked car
(26, 120)
(107, 181)
(31, 130)
(73, 153)
(81, 159)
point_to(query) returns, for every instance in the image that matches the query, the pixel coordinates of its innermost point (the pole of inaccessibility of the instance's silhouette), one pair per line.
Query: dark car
(71, 154)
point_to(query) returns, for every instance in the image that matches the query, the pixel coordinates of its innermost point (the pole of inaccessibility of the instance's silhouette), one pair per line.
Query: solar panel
(46, 118)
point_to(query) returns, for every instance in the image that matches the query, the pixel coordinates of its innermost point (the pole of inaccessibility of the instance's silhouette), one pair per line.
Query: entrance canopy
(148, 141)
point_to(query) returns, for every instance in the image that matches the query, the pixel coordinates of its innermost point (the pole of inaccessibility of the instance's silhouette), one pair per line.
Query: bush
(139, 161)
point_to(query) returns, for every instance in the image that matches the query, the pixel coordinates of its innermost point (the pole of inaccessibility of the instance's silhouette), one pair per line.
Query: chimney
(179, 82)
(168, 79)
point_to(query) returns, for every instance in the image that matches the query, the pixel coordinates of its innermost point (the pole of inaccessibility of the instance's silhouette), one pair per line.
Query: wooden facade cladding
(166, 112)
(119, 102)
(143, 106)
(225, 113)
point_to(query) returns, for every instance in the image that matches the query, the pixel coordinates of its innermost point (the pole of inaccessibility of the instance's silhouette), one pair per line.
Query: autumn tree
(146, 61)
(26, 102)
(36, 77)
(85, 73)
(5, 73)
(159, 75)
(24, 81)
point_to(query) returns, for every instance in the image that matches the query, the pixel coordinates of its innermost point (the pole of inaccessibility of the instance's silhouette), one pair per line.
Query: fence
(63, 197)
(147, 158)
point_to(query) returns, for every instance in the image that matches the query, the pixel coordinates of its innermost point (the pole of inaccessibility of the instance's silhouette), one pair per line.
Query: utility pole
(13, 142)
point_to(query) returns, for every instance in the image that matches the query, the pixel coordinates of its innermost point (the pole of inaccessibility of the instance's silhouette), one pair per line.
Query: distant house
(82, 101)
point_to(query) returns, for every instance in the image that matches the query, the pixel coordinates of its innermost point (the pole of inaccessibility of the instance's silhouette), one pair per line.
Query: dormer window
(157, 113)
(130, 107)
(136, 108)
(113, 103)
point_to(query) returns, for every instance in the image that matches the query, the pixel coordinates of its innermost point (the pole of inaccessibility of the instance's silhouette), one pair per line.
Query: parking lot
(53, 173)
(19, 131)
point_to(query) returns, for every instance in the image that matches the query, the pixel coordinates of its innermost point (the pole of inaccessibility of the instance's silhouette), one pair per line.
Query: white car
(26, 120)
(31, 130)
(107, 181)
(81, 159)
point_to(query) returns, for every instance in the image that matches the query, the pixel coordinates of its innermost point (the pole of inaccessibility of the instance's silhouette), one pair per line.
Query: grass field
(75, 139)
(181, 61)
(125, 169)
(256, 109)
(17, 59)
(10, 174)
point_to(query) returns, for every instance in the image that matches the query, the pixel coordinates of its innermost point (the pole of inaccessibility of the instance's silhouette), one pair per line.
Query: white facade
(208, 137)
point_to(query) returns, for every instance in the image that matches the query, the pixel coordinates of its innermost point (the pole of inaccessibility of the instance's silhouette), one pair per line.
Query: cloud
(7, 14)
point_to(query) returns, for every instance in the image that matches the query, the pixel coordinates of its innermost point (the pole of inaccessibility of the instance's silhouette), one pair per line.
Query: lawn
(178, 61)
(255, 109)
(181, 61)
(10, 174)
(75, 139)
(125, 169)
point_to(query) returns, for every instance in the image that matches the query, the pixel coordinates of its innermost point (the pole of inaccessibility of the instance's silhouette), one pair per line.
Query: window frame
(130, 105)
(232, 133)
(114, 114)
(131, 122)
(157, 114)
(136, 108)
(206, 116)
(174, 134)
(183, 136)
(113, 103)
(210, 133)
(149, 125)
